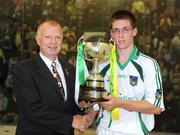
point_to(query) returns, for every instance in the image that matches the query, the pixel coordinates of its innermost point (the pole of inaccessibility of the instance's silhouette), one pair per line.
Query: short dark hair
(123, 14)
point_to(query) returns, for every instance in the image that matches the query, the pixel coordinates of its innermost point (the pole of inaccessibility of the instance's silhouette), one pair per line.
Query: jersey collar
(134, 55)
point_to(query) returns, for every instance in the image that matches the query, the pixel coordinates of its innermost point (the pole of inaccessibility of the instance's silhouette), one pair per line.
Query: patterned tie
(58, 78)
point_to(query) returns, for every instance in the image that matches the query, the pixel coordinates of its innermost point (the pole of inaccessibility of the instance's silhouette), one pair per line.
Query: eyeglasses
(123, 30)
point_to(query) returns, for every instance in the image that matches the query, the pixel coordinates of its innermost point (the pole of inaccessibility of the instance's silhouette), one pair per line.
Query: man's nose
(53, 40)
(121, 33)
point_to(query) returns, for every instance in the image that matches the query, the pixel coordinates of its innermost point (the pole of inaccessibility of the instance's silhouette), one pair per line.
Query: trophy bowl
(93, 90)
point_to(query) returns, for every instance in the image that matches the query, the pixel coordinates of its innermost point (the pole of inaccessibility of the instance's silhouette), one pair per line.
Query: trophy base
(93, 94)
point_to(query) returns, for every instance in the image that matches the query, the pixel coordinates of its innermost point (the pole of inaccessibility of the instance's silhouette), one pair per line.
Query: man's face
(50, 40)
(123, 33)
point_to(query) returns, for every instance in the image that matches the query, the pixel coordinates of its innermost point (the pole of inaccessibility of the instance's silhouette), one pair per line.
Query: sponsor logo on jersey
(158, 93)
(133, 80)
(122, 76)
(128, 98)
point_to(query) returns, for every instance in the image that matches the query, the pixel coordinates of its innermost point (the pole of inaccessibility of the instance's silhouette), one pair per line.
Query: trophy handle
(81, 39)
(111, 41)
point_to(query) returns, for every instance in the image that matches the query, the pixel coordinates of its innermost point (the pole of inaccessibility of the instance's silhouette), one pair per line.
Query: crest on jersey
(133, 80)
(158, 93)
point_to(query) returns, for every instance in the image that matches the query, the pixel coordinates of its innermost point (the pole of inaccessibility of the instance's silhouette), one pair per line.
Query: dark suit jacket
(42, 110)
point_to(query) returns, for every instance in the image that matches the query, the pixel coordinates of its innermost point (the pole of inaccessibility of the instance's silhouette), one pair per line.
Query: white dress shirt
(48, 62)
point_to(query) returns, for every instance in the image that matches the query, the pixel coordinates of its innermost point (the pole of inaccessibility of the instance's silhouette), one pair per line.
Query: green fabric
(134, 55)
(99, 118)
(158, 79)
(139, 69)
(143, 126)
(80, 57)
(104, 70)
(110, 121)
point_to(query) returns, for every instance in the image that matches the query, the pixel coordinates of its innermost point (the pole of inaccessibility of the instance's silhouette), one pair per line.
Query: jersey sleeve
(153, 84)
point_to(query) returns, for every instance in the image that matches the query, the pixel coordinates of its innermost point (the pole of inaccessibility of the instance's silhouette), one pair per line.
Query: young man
(45, 88)
(136, 94)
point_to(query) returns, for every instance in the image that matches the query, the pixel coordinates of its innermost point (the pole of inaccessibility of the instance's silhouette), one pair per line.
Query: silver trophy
(93, 90)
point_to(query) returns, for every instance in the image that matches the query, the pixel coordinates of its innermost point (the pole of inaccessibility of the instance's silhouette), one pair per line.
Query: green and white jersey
(139, 78)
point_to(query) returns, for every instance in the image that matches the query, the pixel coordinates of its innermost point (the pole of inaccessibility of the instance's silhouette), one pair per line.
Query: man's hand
(112, 103)
(84, 104)
(79, 123)
(89, 117)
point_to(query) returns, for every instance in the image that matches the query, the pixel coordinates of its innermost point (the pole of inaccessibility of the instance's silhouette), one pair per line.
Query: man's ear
(37, 40)
(135, 31)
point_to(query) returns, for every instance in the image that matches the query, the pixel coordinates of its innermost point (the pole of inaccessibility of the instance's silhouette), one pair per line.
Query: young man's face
(123, 33)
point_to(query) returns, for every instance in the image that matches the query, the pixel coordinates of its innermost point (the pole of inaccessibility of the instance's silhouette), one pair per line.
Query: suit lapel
(66, 74)
(45, 72)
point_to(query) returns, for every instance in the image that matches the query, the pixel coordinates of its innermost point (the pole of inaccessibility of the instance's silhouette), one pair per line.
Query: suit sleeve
(32, 106)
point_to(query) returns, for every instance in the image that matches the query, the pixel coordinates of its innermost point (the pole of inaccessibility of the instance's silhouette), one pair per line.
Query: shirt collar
(47, 61)
(135, 53)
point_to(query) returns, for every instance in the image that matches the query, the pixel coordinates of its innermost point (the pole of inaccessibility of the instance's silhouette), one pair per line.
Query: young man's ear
(135, 31)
